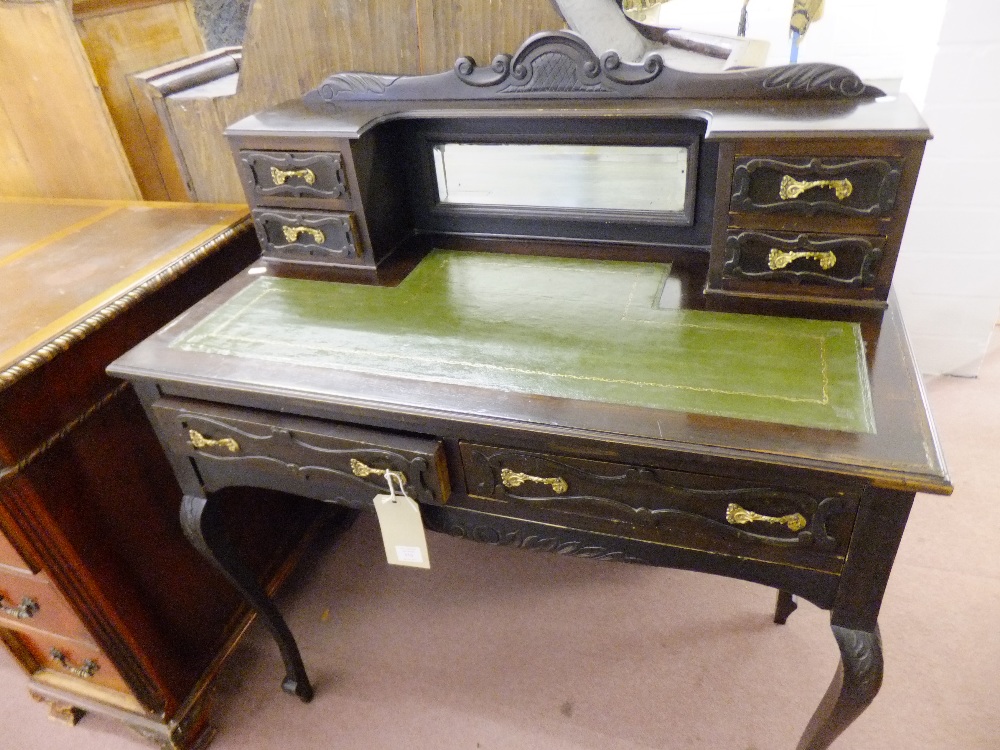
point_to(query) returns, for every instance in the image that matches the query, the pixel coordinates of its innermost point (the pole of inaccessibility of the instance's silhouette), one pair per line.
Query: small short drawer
(714, 514)
(818, 259)
(308, 237)
(327, 461)
(68, 663)
(32, 601)
(283, 174)
(811, 186)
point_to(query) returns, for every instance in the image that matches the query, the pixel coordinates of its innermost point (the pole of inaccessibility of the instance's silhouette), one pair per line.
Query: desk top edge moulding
(578, 357)
(93, 560)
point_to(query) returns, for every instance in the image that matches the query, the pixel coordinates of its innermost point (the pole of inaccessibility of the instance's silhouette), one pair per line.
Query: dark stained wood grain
(612, 456)
(811, 508)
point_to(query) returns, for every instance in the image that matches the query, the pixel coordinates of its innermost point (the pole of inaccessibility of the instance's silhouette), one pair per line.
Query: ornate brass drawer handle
(792, 188)
(362, 470)
(513, 479)
(86, 670)
(278, 176)
(737, 515)
(778, 259)
(200, 441)
(27, 609)
(292, 234)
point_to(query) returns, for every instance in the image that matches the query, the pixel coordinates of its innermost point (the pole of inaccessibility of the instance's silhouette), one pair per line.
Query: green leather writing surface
(567, 328)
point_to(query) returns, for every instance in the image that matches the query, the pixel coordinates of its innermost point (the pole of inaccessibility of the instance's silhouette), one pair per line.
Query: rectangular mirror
(648, 179)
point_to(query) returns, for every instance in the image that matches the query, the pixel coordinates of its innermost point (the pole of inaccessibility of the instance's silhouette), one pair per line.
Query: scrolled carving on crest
(560, 65)
(550, 63)
(346, 84)
(813, 78)
(474, 75)
(631, 73)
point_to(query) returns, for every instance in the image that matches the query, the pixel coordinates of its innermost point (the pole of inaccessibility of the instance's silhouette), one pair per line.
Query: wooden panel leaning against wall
(121, 37)
(65, 98)
(52, 109)
(291, 45)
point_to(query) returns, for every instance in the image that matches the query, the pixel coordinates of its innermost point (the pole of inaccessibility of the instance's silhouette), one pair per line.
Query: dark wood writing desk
(587, 407)
(553, 342)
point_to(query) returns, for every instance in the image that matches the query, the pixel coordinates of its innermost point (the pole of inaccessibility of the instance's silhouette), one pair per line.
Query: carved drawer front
(33, 602)
(327, 461)
(68, 663)
(789, 258)
(696, 511)
(308, 237)
(810, 186)
(285, 174)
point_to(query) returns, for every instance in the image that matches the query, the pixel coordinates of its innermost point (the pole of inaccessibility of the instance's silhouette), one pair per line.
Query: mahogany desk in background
(96, 595)
(507, 389)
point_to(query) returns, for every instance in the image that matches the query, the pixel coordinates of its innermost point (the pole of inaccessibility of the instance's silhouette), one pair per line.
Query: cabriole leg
(785, 606)
(202, 523)
(858, 679)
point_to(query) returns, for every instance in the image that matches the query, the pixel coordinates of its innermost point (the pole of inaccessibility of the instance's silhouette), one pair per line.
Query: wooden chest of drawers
(93, 563)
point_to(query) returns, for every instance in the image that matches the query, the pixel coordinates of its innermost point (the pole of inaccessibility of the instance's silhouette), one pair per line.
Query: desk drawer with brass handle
(285, 174)
(337, 463)
(66, 663)
(816, 186)
(32, 601)
(311, 238)
(803, 258)
(714, 514)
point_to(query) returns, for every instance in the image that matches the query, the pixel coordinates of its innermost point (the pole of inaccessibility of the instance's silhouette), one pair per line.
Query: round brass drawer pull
(737, 516)
(27, 609)
(86, 670)
(513, 479)
(200, 441)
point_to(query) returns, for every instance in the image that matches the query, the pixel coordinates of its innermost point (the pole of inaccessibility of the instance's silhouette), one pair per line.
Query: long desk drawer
(327, 461)
(714, 514)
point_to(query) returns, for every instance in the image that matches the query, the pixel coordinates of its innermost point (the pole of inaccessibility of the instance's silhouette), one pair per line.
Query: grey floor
(501, 649)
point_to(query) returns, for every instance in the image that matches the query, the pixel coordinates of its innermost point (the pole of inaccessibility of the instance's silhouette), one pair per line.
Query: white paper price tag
(402, 530)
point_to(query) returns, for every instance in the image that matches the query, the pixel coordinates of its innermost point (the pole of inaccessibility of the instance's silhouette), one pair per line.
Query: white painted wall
(945, 55)
(948, 278)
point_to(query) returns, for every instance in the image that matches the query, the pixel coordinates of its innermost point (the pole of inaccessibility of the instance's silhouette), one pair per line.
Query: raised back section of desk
(797, 180)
